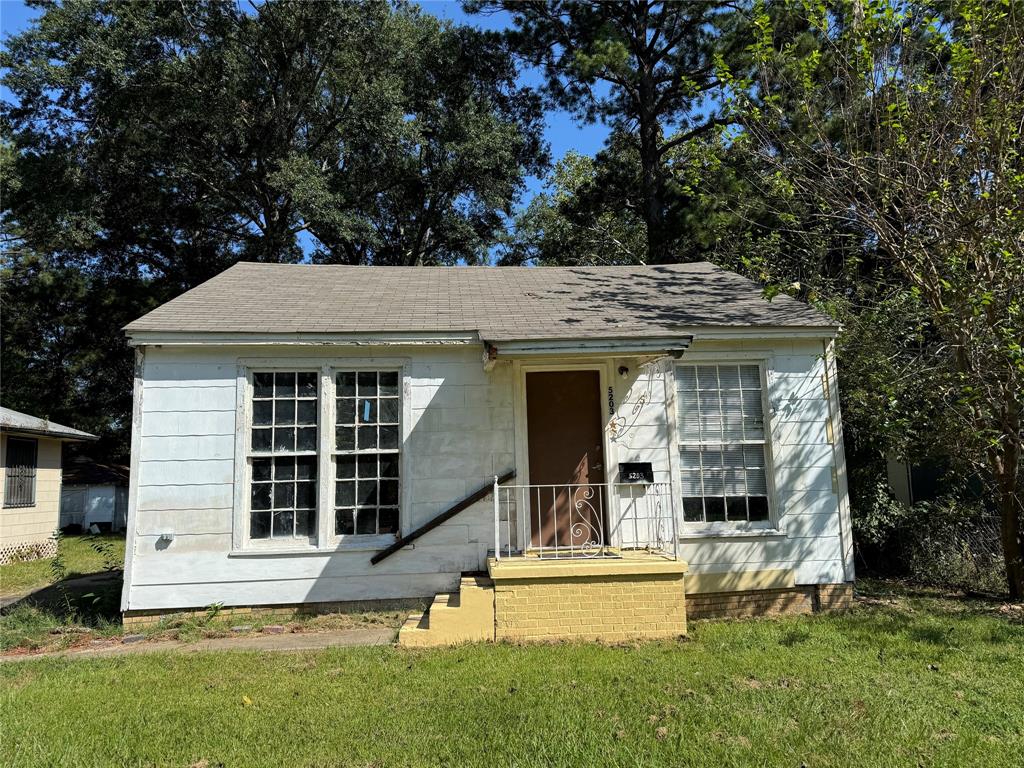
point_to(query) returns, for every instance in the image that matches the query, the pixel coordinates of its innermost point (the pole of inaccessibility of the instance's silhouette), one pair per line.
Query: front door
(565, 451)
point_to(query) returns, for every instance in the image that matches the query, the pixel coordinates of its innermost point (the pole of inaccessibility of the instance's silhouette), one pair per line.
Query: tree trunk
(1013, 544)
(651, 186)
(1011, 513)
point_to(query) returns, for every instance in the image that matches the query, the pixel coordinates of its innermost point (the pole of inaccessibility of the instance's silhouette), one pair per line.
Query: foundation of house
(608, 599)
(770, 602)
(147, 618)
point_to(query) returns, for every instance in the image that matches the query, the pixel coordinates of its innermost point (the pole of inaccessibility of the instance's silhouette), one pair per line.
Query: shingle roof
(15, 421)
(500, 303)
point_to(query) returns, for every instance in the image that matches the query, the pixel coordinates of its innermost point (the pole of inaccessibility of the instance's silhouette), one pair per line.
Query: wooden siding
(458, 437)
(31, 525)
(460, 433)
(806, 499)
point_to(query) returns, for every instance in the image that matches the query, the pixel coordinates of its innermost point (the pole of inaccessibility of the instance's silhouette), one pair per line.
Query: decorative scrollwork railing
(583, 520)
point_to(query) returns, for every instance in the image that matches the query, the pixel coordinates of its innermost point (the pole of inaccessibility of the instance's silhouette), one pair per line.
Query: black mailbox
(636, 472)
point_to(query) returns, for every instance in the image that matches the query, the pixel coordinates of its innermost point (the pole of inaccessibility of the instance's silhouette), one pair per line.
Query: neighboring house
(30, 457)
(94, 494)
(662, 441)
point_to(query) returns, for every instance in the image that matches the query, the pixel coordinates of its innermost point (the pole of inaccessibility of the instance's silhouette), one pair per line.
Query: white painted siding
(459, 436)
(806, 499)
(461, 432)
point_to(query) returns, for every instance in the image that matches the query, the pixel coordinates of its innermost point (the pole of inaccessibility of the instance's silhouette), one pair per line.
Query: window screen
(20, 483)
(722, 443)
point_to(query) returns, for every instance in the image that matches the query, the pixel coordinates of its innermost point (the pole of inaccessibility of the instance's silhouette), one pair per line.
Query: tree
(914, 143)
(653, 70)
(149, 145)
(387, 135)
(563, 226)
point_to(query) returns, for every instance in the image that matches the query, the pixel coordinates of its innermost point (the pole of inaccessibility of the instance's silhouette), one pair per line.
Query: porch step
(465, 616)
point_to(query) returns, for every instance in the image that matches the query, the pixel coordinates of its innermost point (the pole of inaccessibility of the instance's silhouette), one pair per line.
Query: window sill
(767, 533)
(371, 544)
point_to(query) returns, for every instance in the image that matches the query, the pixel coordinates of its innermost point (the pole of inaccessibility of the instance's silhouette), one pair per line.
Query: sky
(561, 131)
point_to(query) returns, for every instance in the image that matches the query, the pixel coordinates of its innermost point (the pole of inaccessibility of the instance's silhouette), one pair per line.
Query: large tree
(652, 70)
(148, 145)
(386, 134)
(914, 142)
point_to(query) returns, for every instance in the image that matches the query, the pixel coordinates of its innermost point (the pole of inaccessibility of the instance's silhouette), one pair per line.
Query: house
(543, 452)
(30, 457)
(94, 493)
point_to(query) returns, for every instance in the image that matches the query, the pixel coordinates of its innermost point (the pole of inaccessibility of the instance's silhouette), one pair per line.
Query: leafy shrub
(950, 542)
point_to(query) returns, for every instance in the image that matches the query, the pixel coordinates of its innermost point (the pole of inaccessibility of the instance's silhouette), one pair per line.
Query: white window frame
(725, 528)
(325, 539)
(367, 540)
(244, 454)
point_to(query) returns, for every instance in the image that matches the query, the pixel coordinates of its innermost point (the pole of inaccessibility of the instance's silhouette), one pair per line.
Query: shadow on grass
(88, 598)
(892, 612)
(82, 604)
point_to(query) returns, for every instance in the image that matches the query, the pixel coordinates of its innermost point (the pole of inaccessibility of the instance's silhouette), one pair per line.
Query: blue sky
(562, 132)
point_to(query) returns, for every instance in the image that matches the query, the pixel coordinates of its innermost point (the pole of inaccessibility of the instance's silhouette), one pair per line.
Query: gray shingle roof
(16, 421)
(501, 303)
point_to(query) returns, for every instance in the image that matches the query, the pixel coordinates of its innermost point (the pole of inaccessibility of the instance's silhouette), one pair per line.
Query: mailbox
(636, 472)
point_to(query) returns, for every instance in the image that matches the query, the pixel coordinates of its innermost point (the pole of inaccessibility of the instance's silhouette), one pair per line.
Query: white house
(614, 447)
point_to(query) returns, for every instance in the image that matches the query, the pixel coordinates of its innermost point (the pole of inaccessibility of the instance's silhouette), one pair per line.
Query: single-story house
(30, 457)
(94, 493)
(593, 452)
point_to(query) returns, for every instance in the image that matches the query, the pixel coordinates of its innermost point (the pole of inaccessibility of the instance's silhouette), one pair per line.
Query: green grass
(79, 559)
(901, 681)
(31, 628)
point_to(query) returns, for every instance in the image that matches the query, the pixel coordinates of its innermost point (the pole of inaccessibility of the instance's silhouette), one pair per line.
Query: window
(283, 455)
(366, 460)
(722, 443)
(22, 459)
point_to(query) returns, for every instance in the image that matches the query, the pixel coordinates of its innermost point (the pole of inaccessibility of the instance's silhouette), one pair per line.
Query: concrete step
(453, 617)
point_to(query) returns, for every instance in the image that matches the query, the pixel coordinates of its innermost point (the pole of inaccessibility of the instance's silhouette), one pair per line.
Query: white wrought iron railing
(589, 520)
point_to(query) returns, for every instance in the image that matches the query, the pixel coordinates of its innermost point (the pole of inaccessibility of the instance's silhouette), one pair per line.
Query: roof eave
(138, 338)
(76, 436)
(463, 337)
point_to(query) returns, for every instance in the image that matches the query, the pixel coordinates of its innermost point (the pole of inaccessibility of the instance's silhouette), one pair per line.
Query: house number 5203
(611, 401)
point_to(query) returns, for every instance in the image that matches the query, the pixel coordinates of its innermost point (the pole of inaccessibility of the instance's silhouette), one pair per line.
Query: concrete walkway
(305, 641)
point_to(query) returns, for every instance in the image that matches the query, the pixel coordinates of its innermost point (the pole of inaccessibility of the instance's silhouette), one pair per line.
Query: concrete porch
(633, 595)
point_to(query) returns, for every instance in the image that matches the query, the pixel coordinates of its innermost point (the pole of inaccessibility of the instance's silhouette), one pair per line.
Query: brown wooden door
(565, 449)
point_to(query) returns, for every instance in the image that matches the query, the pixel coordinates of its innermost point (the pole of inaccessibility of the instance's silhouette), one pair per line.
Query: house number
(611, 401)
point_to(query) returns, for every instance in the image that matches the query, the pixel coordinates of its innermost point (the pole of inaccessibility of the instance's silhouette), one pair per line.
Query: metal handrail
(650, 506)
(478, 495)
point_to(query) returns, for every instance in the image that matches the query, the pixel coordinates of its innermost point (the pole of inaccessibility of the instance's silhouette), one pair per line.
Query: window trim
(34, 442)
(294, 543)
(325, 541)
(692, 530)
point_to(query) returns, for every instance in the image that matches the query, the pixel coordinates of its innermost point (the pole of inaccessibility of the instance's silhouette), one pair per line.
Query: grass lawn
(80, 558)
(899, 681)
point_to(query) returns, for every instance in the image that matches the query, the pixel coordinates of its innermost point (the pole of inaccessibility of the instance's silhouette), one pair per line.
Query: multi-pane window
(283, 454)
(366, 458)
(20, 482)
(722, 443)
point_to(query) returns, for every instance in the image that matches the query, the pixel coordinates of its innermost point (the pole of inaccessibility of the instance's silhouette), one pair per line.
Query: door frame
(522, 453)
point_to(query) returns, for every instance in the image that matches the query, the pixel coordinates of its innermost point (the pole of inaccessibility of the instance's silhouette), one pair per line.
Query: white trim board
(444, 338)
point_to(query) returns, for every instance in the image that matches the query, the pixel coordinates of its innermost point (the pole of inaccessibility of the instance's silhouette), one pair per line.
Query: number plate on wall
(636, 472)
